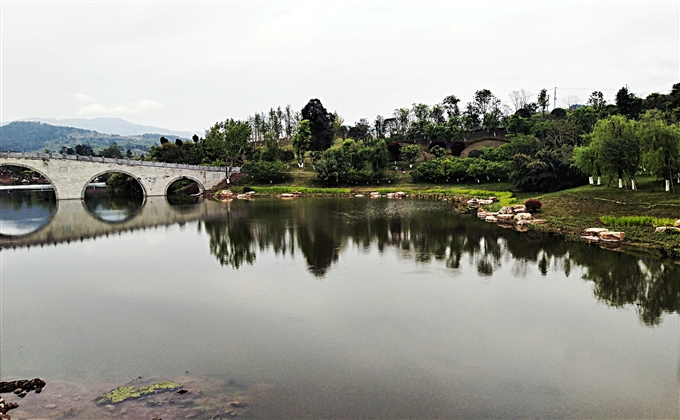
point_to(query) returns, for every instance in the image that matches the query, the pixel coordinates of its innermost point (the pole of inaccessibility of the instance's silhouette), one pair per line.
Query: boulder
(519, 209)
(677, 223)
(612, 236)
(482, 214)
(505, 210)
(493, 199)
(484, 202)
(505, 217)
(287, 195)
(473, 202)
(358, 195)
(491, 219)
(523, 216)
(593, 232)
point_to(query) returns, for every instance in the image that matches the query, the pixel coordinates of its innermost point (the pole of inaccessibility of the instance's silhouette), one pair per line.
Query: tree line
(545, 149)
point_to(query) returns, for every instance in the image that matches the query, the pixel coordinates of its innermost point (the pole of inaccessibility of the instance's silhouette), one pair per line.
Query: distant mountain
(112, 126)
(28, 136)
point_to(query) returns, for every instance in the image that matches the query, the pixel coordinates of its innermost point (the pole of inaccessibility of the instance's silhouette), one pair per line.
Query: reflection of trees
(426, 231)
(18, 199)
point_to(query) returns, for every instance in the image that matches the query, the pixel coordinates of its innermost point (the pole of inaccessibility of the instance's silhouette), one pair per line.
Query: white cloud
(79, 97)
(143, 107)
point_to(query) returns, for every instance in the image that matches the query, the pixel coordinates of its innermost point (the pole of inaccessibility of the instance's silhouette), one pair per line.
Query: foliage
(264, 171)
(112, 151)
(438, 151)
(320, 124)
(457, 147)
(410, 153)
(617, 146)
(548, 170)
(227, 141)
(636, 221)
(302, 140)
(533, 205)
(394, 149)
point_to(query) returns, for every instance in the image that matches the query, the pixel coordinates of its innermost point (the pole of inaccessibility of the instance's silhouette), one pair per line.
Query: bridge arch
(33, 168)
(201, 188)
(116, 170)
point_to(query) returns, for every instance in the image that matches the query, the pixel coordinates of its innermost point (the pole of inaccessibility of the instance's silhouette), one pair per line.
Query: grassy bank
(636, 213)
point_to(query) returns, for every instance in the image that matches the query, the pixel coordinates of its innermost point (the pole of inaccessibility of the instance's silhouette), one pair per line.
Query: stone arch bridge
(70, 174)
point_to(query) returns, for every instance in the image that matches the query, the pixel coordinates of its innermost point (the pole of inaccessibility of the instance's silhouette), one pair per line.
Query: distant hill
(25, 136)
(112, 126)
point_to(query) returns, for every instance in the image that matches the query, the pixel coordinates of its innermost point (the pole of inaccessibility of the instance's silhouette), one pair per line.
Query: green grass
(305, 190)
(636, 221)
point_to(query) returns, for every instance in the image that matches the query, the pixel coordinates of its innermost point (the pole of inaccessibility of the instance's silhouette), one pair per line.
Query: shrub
(438, 151)
(457, 147)
(477, 153)
(247, 188)
(533, 205)
(433, 143)
(263, 171)
(394, 150)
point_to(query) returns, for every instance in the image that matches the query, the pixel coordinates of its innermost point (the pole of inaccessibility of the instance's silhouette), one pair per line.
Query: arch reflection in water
(114, 208)
(23, 212)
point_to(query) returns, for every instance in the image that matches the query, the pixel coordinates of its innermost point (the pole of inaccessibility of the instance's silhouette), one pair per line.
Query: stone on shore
(612, 236)
(523, 216)
(677, 223)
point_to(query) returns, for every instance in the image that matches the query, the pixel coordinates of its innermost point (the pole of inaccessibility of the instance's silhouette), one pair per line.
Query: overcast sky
(184, 66)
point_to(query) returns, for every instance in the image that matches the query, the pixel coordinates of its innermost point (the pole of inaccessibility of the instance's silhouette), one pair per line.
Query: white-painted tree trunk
(599, 180)
(668, 185)
(301, 165)
(620, 183)
(228, 170)
(410, 166)
(590, 180)
(632, 184)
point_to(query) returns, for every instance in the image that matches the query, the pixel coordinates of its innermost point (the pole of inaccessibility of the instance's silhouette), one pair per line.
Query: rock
(287, 195)
(538, 221)
(594, 232)
(522, 222)
(482, 214)
(519, 209)
(491, 219)
(51, 406)
(667, 229)
(358, 195)
(523, 216)
(505, 210)
(661, 229)
(677, 223)
(505, 217)
(110, 407)
(493, 199)
(473, 202)
(612, 236)
(485, 202)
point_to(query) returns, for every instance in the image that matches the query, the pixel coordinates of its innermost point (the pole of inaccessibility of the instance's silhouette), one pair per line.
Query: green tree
(410, 154)
(320, 124)
(628, 104)
(618, 147)
(543, 100)
(301, 142)
(227, 142)
(661, 143)
(596, 100)
(379, 158)
(112, 151)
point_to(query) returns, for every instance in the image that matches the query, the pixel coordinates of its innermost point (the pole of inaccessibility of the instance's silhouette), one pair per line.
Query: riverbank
(566, 212)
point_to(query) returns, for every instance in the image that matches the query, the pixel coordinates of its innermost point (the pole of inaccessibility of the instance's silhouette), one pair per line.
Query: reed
(636, 221)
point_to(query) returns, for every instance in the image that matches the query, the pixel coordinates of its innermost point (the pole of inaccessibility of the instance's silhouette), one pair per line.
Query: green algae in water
(123, 393)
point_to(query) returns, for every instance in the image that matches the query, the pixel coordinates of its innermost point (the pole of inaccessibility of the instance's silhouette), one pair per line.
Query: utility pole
(555, 98)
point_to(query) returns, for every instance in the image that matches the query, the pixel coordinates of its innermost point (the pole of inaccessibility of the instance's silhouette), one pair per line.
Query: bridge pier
(70, 174)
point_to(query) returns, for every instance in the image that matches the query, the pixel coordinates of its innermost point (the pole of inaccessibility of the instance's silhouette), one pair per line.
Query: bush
(394, 150)
(247, 188)
(434, 143)
(263, 171)
(533, 205)
(457, 147)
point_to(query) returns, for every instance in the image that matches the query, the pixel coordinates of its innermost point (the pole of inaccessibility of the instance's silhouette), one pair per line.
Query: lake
(326, 308)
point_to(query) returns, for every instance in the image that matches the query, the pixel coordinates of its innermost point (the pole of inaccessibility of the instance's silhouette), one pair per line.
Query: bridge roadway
(73, 222)
(70, 174)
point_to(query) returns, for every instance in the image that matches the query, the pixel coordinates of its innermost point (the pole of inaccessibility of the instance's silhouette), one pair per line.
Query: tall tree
(543, 100)
(661, 144)
(596, 100)
(227, 141)
(629, 105)
(616, 143)
(519, 98)
(320, 124)
(301, 141)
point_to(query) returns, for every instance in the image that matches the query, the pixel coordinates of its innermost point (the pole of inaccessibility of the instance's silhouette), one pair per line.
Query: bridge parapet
(97, 159)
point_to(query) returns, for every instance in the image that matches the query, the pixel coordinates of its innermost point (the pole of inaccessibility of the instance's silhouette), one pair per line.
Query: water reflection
(113, 208)
(23, 212)
(425, 231)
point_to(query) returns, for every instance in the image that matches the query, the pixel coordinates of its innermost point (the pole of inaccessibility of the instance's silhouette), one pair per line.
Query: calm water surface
(352, 308)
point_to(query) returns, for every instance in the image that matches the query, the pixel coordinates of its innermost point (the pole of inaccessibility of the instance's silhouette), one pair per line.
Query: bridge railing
(131, 162)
